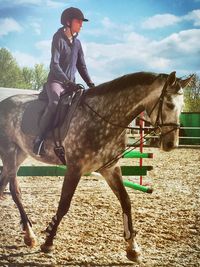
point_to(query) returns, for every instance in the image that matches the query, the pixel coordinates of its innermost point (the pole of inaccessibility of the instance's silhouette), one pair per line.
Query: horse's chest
(93, 146)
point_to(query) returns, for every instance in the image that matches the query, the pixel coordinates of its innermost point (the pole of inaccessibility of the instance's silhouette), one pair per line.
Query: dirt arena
(168, 220)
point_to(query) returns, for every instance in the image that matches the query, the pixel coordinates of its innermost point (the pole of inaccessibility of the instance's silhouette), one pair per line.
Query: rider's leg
(54, 91)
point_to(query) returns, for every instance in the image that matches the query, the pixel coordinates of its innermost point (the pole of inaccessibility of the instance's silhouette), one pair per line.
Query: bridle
(159, 123)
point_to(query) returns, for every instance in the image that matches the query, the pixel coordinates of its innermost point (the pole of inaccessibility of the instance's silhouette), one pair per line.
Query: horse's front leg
(113, 177)
(70, 183)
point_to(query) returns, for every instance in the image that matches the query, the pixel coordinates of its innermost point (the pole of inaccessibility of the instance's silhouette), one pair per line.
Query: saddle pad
(32, 113)
(35, 108)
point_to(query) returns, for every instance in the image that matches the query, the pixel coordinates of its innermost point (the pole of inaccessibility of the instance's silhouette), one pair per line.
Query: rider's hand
(91, 84)
(70, 86)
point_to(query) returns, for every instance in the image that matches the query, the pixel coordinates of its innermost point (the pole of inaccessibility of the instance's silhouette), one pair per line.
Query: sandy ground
(92, 233)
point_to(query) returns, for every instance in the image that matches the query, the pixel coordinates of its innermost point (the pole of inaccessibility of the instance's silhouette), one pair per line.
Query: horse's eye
(170, 105)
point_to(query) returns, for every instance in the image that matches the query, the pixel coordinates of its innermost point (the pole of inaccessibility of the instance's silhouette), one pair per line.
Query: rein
(157, 125)
(114, 124)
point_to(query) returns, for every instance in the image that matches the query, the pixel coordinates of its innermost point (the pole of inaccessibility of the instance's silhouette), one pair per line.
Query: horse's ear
(172, 78)
(187, 81)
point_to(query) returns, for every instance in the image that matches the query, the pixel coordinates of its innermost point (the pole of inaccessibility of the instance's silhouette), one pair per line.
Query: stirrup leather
(60, 153)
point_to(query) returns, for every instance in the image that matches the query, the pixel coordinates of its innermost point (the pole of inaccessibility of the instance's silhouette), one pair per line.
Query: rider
(66, 57)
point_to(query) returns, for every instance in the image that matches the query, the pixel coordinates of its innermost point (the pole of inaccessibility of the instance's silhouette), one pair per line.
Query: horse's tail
(2, 140)
(3, 135)
(1, 143)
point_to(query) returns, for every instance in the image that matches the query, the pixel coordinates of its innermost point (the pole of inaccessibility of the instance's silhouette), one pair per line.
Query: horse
(96, 136)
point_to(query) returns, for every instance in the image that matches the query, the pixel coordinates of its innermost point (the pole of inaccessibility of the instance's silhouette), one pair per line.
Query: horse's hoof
(30, 242)
(46, 249)
(133, 255)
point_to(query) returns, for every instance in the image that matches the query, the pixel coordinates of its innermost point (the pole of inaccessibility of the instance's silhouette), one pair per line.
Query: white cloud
(54, 4)
(36, 27)
(185, 43)
(21, 2)
(8, 25)
(107, 61)
(44, 45)
(136, 39)
(107, 23)
(45, 51)
(164, 20)
(48, 3)
(193, 16)
(160, 21)
(136, 53)
(24, 59)
(110, 31)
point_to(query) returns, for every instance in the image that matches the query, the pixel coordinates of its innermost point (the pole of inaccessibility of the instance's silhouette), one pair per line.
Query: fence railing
(183, 138)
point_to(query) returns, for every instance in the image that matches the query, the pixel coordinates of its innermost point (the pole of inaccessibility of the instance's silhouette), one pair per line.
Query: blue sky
(122, 36)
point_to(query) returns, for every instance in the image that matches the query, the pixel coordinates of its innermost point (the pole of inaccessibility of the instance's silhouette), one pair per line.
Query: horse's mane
(123, 82)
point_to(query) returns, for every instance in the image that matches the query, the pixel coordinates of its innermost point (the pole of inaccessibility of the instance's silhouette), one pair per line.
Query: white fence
(6, 92)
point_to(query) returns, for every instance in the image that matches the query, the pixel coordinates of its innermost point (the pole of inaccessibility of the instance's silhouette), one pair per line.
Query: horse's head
(164, 114)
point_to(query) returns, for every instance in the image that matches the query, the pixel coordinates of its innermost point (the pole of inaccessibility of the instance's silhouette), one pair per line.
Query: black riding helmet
(71, 13)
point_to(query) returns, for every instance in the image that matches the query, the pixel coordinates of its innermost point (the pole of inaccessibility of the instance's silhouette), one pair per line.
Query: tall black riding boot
(46, 123)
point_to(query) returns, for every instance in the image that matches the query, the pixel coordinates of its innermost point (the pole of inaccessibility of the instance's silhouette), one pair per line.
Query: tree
(36, 77)
(28, 77)
(39, 76)
(192, 95)
(10, 73)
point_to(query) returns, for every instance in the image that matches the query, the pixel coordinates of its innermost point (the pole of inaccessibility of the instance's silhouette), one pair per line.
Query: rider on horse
(67, 57)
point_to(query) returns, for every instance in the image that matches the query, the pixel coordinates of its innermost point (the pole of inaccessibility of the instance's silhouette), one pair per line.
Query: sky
(122, 36)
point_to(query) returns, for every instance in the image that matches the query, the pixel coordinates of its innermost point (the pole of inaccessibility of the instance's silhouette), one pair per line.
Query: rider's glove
(70, 86)
(91, 84)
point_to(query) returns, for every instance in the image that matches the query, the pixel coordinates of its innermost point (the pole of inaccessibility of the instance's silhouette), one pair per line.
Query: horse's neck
(123, 106)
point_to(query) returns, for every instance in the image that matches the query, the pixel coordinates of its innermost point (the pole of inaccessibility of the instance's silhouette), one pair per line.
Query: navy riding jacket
(66, 59)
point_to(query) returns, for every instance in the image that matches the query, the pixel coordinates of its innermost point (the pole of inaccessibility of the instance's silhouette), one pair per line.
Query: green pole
(137, 154)
(139, 187)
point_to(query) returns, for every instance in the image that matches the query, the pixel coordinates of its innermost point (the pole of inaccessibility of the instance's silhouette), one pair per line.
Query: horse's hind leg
(11, 162)
(114, 179)
(9, 166)
(70, 183)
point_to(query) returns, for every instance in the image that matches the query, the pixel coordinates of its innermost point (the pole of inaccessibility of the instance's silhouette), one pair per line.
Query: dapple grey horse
(92, 140)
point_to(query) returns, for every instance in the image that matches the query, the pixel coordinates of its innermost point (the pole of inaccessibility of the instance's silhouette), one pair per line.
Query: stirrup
(38, 147)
